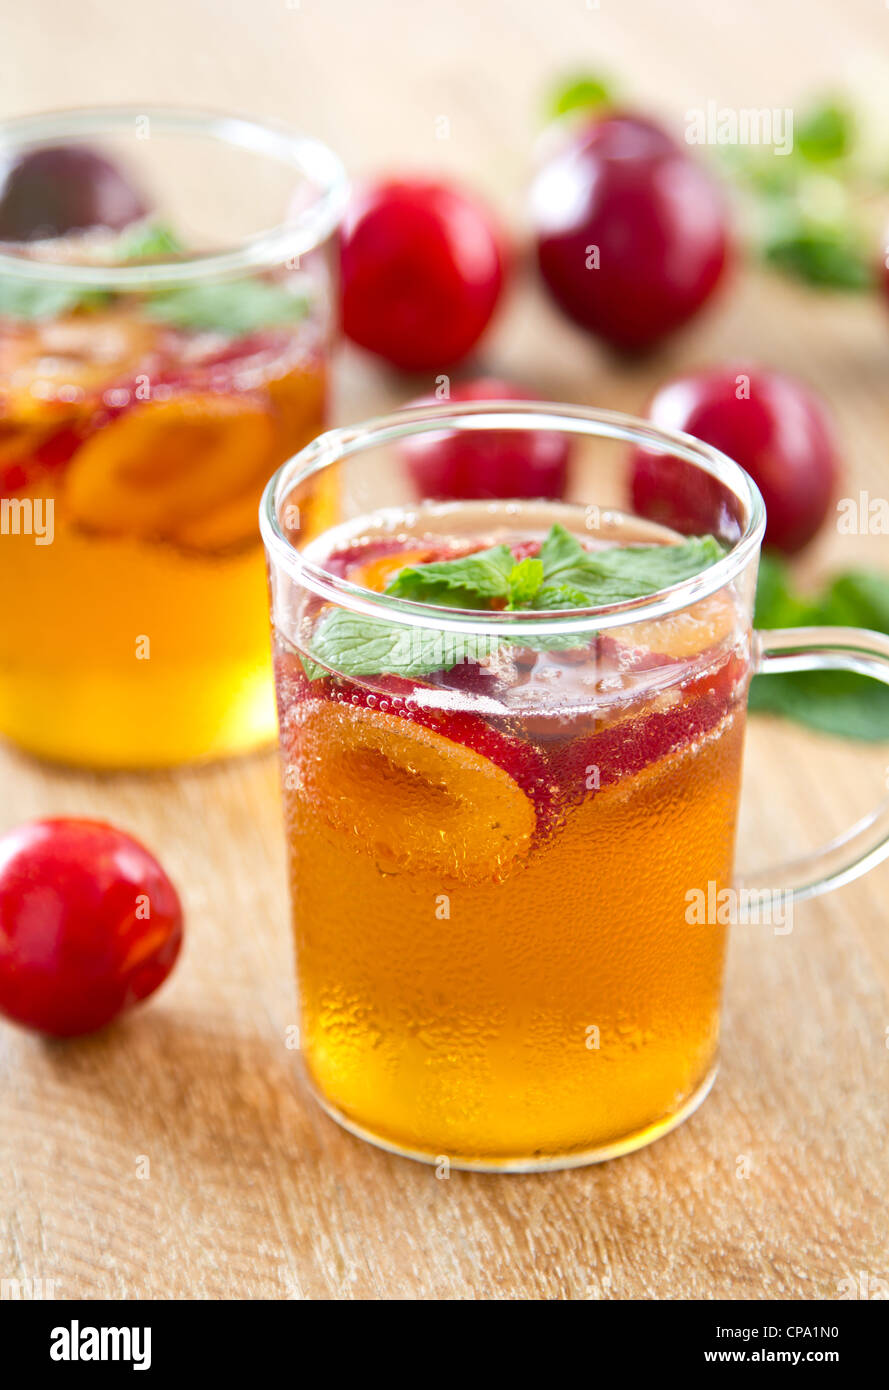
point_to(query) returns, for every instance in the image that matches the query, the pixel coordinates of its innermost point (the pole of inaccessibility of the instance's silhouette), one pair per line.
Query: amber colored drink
(490, 873)
(134, 631)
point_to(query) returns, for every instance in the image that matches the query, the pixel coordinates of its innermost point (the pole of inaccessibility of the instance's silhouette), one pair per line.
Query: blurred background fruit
(423, 266)
(631, 233)
(487, 463)
(65, 188)
(771, 424)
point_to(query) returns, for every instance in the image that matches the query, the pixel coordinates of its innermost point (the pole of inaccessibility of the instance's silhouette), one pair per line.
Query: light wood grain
(252, 1191)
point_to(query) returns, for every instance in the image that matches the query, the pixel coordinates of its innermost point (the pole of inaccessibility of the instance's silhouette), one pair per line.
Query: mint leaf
(565, 575)
(234, 306)
(552, 596)
(470, 582)
(585, 92)
(826, 132)
(145, 241)
(836, 257)
(24, 299)
(354, 645)
(622, 572)
(833, 702)
(525, 579)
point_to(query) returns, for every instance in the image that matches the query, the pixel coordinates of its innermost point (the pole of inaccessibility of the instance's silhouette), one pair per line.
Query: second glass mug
(508, 881)
(150, 382)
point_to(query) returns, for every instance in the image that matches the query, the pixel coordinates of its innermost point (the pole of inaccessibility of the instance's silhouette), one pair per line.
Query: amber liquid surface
(490, 887)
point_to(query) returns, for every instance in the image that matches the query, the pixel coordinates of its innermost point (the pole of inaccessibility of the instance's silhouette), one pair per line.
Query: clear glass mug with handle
(153, 374)
(511, 828)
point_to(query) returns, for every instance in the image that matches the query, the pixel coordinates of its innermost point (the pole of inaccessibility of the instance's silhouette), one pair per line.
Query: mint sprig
(473, 581)
(580, 93)
(565, 575)
(235, 307)
(833, 702)
(28, 299)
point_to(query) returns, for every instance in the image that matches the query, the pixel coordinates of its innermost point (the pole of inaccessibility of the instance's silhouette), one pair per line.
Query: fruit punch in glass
(505, 766)
(152, 376)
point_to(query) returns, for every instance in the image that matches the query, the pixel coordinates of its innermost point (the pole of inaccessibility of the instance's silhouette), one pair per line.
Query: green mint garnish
(585, 92)
(355, 645)
(525, 580)
(238, 306)
(470, 582)
(564, 576)
(810, 207)
(145, 241)
(26, 299)
(235, 307)
(23, 299)
(826, 132)
(620, 572)
(834, 702)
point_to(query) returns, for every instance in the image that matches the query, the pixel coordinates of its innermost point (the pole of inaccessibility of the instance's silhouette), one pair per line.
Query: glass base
(538, 1163)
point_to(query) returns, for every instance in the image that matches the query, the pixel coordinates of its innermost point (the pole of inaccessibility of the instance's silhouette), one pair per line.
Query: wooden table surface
(250, 1191)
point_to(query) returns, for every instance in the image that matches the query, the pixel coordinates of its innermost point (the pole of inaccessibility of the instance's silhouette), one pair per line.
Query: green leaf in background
(582, 92)
(834, 702)
(234, 306)
(813, 211)
(829, 256)
(826, 132)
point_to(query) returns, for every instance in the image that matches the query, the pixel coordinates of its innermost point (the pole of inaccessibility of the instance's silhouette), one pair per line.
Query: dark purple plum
(64, 188)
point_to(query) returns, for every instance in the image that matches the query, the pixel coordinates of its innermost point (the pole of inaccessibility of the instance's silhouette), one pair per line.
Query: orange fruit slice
(376, 574)
(159, 468)
(684, 634)
(300, 399)
(416, 800)
(67, 363)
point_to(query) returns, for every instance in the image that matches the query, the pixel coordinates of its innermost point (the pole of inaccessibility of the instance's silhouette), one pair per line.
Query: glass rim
(337, 444)
(265, 250)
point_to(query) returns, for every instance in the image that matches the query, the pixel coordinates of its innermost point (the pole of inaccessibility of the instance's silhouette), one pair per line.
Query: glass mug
(508, 875)
(151, 380)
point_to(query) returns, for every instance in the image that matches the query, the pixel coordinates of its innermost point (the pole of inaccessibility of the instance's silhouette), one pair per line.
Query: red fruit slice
(421, 802)
(29, 451)
(623, 748)
(403, 699)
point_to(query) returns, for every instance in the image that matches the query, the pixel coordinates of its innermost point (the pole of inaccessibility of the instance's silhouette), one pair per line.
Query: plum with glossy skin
(58, 189)
(769, 423)
(458, 464)
(423, 266)
(632, 233)
(90, 924)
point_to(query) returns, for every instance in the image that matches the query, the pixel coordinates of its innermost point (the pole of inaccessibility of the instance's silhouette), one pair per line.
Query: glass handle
(865, 843)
